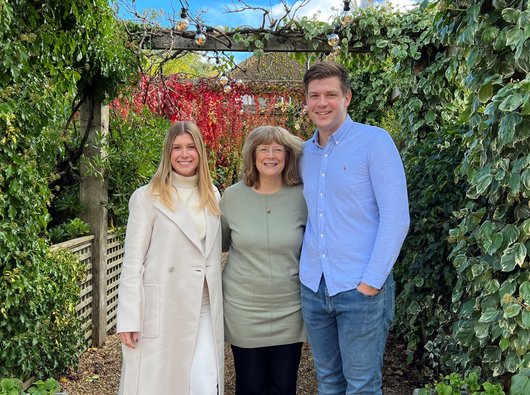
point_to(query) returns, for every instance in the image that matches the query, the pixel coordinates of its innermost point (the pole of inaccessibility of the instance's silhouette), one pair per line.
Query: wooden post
(93, 195)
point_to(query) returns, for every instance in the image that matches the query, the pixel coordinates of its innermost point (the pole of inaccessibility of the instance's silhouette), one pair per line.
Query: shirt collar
(336, 136)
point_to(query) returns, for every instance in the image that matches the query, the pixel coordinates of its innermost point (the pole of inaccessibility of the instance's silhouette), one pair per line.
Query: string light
(346, 15)
(200, 38)
(183, 22)
(227, 88)
(239, 83)
(333, 38)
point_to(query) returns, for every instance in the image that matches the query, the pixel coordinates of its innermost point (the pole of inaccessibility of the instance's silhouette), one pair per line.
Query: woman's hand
(130, 339)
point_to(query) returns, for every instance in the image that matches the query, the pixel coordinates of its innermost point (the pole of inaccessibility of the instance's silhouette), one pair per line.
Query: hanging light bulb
(346, 16)
(183, 22)
(335, 50)
(219, 29)
(227, 88)
(239, 83)
(223, 80)
(200, 38)
(333, 38)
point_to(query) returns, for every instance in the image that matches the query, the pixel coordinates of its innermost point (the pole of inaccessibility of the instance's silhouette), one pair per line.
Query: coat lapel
(183, 220)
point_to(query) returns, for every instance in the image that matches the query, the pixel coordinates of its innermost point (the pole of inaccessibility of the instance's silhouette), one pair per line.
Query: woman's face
(184, 155)
(270, 159)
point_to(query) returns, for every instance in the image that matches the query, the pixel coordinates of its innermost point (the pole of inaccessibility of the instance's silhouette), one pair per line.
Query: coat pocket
(151, 327)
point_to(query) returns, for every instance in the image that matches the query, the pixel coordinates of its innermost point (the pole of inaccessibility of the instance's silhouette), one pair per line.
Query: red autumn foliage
(225, 118)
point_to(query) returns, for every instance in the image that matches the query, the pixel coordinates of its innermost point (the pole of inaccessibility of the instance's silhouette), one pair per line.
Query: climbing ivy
(52, 53)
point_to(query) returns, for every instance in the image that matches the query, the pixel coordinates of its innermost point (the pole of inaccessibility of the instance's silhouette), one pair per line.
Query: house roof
(270, 67)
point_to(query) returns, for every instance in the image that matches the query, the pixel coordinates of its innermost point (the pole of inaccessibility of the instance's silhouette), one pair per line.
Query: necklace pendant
(268, 210)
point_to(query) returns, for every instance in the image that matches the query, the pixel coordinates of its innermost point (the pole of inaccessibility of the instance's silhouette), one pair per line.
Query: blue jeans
(347, 333)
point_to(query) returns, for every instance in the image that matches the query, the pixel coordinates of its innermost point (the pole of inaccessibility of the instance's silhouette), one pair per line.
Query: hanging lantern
(183, 23)
(227, 88)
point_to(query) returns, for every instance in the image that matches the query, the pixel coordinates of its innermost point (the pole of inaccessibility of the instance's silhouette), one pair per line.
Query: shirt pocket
(151, 324)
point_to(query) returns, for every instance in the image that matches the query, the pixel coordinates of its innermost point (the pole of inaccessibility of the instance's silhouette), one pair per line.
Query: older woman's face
(270, 159)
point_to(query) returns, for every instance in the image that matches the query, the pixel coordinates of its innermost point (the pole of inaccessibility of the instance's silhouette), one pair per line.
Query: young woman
(170, 315)
(263, 219)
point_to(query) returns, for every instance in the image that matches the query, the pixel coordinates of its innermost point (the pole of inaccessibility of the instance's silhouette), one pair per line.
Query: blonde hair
(161, 181)
(268, 135)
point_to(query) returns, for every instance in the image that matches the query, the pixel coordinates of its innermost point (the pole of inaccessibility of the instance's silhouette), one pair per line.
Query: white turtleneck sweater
(187, 189)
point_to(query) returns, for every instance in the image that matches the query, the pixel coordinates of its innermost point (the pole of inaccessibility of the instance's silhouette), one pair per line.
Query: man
(355, 189)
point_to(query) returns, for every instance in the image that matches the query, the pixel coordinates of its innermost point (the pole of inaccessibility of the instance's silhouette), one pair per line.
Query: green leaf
(492, 354)
(525, 318)
(489, 315)
(524, 290)
(511, 362)
(510, 233)
(512, 310)
(481, 330)
(491, 245)
(485, 92)
(507, 262)
(510, 15)
(521, 383)
(483, 183)
(511, 103)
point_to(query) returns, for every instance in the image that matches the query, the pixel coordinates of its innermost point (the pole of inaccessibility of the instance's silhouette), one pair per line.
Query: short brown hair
(322, 70)
(268, 135)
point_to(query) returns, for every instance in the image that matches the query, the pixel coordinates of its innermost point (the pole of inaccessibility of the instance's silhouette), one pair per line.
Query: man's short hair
(326, 69)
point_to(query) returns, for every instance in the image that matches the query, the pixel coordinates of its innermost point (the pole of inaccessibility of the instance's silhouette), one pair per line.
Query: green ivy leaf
(481, 329)
(511, 103)
(485, 92)
(489, 315)
(510, 15)
(483, 183)
(512, 310)
(492, 354)
(524, 290)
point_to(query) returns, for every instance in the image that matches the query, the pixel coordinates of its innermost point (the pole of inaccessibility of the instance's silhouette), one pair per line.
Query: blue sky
(214, 12)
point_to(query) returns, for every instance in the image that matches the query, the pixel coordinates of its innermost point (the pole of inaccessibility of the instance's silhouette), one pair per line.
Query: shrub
(69, 230)
(40, 333)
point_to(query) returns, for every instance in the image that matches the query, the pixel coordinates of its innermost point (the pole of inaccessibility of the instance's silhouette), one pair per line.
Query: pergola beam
(168, 42)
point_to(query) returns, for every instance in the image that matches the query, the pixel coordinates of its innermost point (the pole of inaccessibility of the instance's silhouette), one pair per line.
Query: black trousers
(267, 370)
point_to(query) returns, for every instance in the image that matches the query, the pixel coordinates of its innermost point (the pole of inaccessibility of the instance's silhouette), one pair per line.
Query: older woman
(263, 218)
(170, 315)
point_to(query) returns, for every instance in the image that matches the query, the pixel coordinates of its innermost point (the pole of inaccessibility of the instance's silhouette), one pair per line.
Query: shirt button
(326, 155)
(322, 235)
(321, 194)
(171, 269)
(336, 142)
(321, 215)
(323, 174)
(323, 255)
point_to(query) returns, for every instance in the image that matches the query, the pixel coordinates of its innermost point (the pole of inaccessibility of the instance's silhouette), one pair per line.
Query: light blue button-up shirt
(357, 202)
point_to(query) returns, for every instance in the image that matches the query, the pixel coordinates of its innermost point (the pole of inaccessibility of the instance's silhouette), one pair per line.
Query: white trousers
(203, 377)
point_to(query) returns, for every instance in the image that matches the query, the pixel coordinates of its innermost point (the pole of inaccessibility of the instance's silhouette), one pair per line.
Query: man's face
(327, 104)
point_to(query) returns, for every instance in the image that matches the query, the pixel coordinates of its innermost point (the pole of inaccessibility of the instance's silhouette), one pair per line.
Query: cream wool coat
(160, 295)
